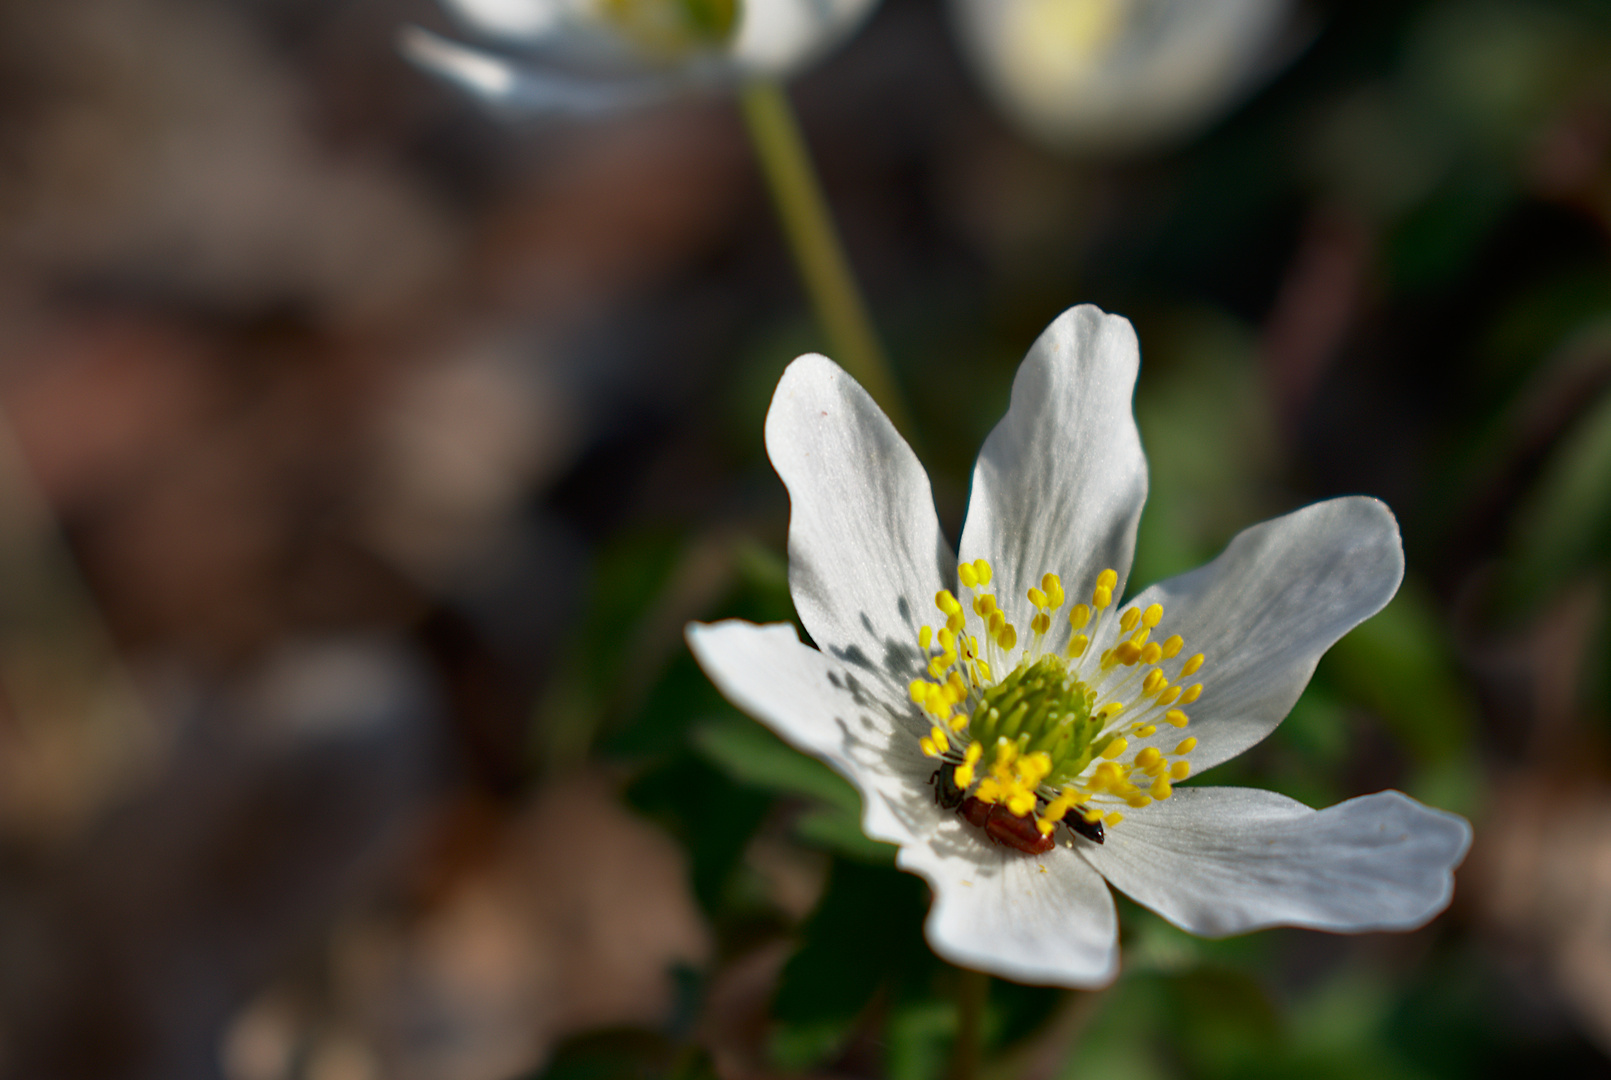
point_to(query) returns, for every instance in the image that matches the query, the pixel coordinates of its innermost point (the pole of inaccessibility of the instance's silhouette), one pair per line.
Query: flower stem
(973, 988)
(815, 244)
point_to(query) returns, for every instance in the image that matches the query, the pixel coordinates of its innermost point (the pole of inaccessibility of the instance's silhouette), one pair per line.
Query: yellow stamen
(1037, 597)
(1127, 621)
(1114, 748)
(924, 637)
(1186, 746)
(1078, 644)
(1190, 666)
(1078, 616)
(1193, 692)
(982, 568)
(1160, 789)
(1176, 717)
(1180, 770)
(1113, 818)
(1172, 646)
(967, 575)
(1041, 623)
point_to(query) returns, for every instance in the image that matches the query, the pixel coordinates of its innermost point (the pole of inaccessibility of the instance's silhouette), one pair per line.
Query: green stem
(973, 987)
(815, 243)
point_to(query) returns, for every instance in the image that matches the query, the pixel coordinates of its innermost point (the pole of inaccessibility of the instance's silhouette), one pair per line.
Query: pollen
(1050, 732)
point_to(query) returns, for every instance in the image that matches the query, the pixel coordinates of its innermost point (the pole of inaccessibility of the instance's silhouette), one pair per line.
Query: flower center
(1057, 734)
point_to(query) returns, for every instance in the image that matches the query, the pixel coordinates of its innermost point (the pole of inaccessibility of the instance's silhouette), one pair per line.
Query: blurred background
(365, 452)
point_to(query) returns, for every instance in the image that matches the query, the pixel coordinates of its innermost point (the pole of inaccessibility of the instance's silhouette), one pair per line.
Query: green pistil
(1041, 707)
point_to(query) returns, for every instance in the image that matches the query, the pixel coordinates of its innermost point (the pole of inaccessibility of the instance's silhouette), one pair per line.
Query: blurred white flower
(1115, 76)
(593, 56)
(1017, 774)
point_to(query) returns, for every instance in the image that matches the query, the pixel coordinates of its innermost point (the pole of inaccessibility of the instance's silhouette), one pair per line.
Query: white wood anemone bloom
(1117, 76)
(601, 56)
(1020, 748)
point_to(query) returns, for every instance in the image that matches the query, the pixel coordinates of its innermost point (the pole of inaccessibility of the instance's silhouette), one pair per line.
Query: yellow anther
(1144, 730)
(1160, 789)
(1078, 644)
(1176, 717)
(1139, 638)
(924, 637)
(1037, 765)
(972, 754)
(1154, 681)
(920, 690)
(1152, 653)
(983, 605)
(1107, 579)
(937, 667)
(1036, 597)
(1021, 803)
(1128, 621)
(1007, 638)
(946, 602)
(927, 746)
(1186, 746)
(1193, 692)
(984, 671)
(982, 568)
(1078, 616)
(1114, 748)
(948, 639)
(1052, 586)
(938, 736)
(1138, 801)
(1006, 753)
(989, 790)
(1190, 666)
(958, 723)
(1172, 646)
(956, 622)
(1041, 623)
(1101, 597)
(1148, 757)
(967, 575)
(1110, 710)
(1168, 696)
(1152, 616)
(958, 688)
(1126, 653)
(1045, 825)
(997, 621)
(963, 775)
(1112, 818)
(1180, 770)
(1107, 775)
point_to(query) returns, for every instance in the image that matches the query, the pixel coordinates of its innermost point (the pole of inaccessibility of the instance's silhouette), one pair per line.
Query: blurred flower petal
(1118, 75)
(518, 88)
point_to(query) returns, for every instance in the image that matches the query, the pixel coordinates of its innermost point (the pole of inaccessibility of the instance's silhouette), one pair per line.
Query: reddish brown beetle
(1005, 827)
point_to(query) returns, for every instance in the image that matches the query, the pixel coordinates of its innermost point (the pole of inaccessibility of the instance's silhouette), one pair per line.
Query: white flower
(1194, 671)
(1119, 75)
(591, 56)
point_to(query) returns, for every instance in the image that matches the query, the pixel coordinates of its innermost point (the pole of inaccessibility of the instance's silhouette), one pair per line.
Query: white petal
(1218, 861)
(1060, 482)
(1044, 919)
(1262, 614)
(523, 21)
(779, 37)
(825, 708)
(1118, 75)
(522, 89)
(866, 554)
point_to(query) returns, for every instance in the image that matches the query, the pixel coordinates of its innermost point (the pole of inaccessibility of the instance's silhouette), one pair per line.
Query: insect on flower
(978, 702)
